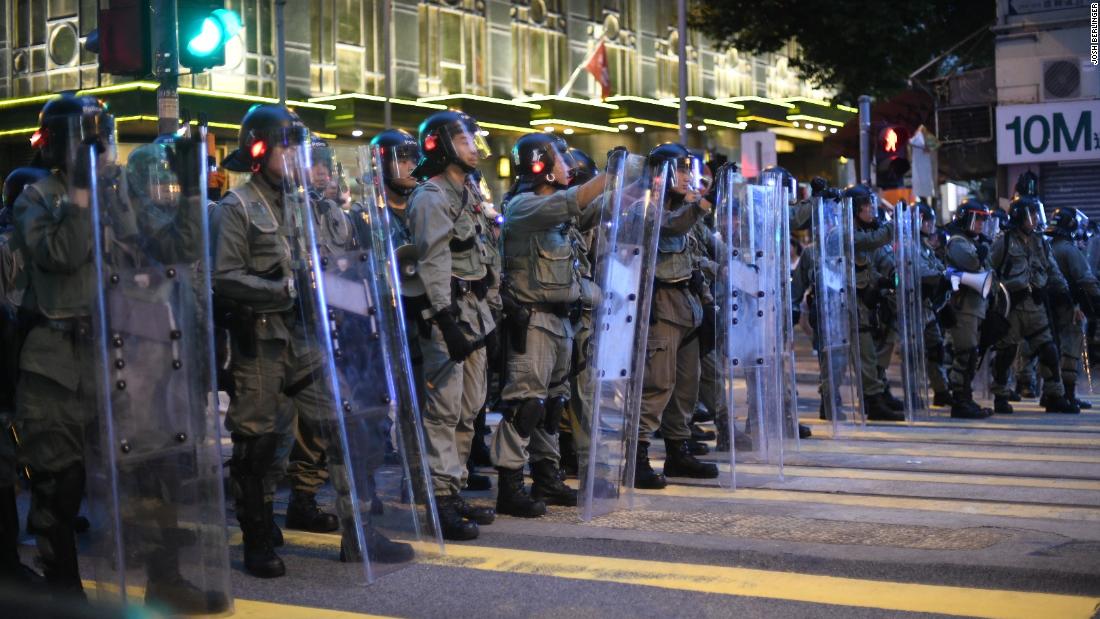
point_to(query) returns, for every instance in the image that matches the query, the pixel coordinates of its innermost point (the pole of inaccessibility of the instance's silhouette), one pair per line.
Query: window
(46, 54)
(453, 46)
(615, 21)
(539, 52)
(346, 46)
(668, 67)
(734, 74)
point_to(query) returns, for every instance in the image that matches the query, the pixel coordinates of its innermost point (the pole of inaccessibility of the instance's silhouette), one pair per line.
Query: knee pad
(1048, 356)
(525, 415)
(555, 408)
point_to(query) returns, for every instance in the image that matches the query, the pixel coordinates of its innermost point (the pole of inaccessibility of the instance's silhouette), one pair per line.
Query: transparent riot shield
(625, 250)
(155, 463)
(911, 315)
(751, 314)
(835, 313)
(790, 379)
(374, 363)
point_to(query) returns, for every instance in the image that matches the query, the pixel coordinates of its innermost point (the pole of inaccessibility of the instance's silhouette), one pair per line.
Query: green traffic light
(217, 28)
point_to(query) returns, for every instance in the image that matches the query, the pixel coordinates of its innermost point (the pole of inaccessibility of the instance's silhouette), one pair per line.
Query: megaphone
(981, 281)
(407, 257)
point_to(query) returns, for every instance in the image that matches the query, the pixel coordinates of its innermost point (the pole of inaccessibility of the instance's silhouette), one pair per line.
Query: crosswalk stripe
(755, 583)
(955, 506)
(968, 425)
(938, 451)
(254, 609)
(977, 438)
(921, 477)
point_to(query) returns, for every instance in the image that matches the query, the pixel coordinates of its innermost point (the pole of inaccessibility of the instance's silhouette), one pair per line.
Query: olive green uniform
(670, 385)
(867, 242)
(56, 394)
(1026, 267)
(453, 266)
(541, 270)
(962, 254)
(1086, 293)
(931, 275)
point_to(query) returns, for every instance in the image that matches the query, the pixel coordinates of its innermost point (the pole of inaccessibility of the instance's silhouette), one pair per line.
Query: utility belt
(463, 287)
(561, 310)
(79, 326)
(460, 246)
(1019, 296)
(683, 284)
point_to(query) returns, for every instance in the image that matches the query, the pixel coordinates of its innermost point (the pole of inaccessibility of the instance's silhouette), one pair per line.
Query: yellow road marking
(886, 595)
(939, 478)
(249, 609)
(955, 506)
(938, 451)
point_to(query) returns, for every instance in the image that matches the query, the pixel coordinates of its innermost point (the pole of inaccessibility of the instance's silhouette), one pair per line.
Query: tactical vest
(269, 254)
(675, 258)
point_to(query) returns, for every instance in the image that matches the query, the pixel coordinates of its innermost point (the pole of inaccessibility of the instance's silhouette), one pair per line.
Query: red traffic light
(892, 142)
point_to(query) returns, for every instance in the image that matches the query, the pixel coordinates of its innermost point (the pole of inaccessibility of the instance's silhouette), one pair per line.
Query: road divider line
(924, 477)
(936, 451)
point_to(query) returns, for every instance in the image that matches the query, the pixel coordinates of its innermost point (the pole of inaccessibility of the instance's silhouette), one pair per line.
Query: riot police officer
(671, 378)
(1026, 268)
(452, 264)
(933, 293)
(12, 286)
(56, 394)
(1065, 227)
(967, 252)
(541, 285)
(870, 235)
(255, 293)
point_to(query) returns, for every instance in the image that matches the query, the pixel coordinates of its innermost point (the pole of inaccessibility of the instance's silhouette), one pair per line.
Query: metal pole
(864, 139)
(166, 66)
(280, 47)
(387, 59)
(681, 16)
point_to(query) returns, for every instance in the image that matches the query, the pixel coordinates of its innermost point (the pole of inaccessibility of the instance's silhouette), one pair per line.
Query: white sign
(757, 152)
(1048, 132)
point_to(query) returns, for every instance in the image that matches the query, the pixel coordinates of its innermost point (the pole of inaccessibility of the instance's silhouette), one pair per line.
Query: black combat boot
(680, 463)
(702, 415)
(58, 497)
(568, 450)
(548, 487)
(475, 482)
(166, 585)
(380, 549)
(892, 402)
(252, 458)
(12, 570)
(878, 408)
(696, 448)
(1001, 405)
(644, 475)
(480, 515)
(804, 431)
(699, 434)
(1059, 404)
(1071, 395)
(451, 523)
(512, 497)
(1027, 391)
(963, 406)
(722, 424)
(838, 410)
(941, 398)
(303, 514)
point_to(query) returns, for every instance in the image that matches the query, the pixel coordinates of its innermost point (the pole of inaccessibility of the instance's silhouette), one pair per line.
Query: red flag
(597, 66)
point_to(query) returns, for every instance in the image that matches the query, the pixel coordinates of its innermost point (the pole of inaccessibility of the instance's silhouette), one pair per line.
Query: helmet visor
(687, 174)
(464, 143)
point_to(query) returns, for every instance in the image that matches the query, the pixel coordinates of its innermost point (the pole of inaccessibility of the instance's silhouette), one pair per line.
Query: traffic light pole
(865, 139)
(280, 47)
(166, 65)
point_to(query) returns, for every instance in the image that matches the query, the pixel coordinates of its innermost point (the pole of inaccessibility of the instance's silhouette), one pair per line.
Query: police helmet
(541, 158)
(263, 128)
(1025, 209)
(62, 116)
(678, 157)
(441, 137)
(1067, 222)
(1027, 184)
(396, 145)
(18, 179)
(972, 217)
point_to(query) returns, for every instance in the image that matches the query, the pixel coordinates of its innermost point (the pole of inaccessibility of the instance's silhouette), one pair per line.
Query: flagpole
(580, 68)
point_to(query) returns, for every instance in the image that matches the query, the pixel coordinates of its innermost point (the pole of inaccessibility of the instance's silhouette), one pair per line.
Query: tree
(852, 46)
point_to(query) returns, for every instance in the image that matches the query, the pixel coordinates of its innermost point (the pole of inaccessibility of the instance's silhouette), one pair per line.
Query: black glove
(818, 185)
(458, 345)
(183, 160)
(982, 250)
(81, 173)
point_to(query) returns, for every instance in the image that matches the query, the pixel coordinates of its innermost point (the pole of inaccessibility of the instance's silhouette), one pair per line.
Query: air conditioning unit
(1062, 78)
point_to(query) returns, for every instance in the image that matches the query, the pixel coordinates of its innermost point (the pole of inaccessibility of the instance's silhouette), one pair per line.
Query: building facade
(1048, 100)
(504, 61)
